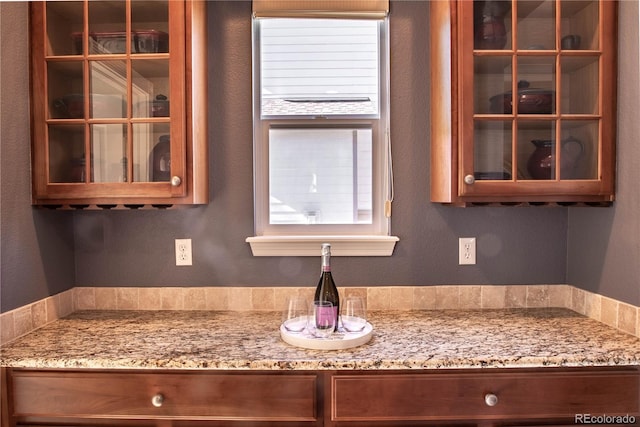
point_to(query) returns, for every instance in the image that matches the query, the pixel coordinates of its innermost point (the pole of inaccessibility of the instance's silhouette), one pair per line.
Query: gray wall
(36, 253)
(135, 248)
(604, 244)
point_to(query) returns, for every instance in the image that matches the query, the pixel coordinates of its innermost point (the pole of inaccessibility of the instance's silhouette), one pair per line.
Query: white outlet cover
(467, 250)
(183, 252)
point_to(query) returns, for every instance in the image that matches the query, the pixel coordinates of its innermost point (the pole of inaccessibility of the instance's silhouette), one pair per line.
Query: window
(321, 145)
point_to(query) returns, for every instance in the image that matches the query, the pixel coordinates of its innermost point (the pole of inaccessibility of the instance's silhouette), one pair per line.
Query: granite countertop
(428, 339)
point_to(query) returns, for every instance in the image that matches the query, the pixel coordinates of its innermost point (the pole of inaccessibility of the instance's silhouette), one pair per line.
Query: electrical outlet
(183, 252)
(466, 250)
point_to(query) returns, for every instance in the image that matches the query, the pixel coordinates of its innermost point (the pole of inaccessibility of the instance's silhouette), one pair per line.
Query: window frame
(347, 239)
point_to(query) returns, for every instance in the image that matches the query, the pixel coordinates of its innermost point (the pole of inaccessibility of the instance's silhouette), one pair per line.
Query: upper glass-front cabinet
(113, 103)
(531, 101)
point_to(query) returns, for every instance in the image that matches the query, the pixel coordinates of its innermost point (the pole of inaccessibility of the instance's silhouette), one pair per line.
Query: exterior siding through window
(319, 59)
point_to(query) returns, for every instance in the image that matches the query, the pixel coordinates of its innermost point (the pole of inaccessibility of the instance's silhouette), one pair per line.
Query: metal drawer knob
(490, 399)
(176, 181)
(157, 400)
(469, 179)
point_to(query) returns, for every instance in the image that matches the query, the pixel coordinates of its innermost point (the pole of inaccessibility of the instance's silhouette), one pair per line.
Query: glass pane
(492, 150)
(319, 66)
(536, 85)
(108, 149)
(151, 152)
(150, 87)
(64, 27)
(536, 25)
(149, 23)
(580, 77)
(579, 25)
(492, 24)
(108, 87)
(107, 33)
(492, 85)
(66, 153)
(65, 88)
(580, 151)
(536, 150)
(320, 176)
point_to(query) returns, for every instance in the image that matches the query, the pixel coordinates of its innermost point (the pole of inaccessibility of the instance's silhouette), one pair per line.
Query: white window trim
(365, 245)
(306, 240)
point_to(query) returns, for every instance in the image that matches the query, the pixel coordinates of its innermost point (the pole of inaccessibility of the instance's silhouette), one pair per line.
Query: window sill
(310, 245)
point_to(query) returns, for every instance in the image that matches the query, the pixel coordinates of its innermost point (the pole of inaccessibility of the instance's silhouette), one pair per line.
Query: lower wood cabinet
(473, 397)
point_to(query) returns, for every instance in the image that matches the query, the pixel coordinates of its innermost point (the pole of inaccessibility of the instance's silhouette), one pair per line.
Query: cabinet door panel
(142, 396)
(523, 101)
(407, 397)
(104, 74)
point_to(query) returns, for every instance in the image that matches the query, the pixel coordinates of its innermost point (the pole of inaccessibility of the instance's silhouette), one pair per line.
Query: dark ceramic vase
(490, 31)
(160, 159)
(542, 163)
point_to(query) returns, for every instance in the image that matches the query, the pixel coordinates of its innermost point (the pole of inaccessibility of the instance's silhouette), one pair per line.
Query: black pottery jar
(542, 162)
(489, 30)
(161, 160)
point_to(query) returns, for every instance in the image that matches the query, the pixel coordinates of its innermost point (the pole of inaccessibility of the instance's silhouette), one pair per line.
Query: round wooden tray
(340, 340)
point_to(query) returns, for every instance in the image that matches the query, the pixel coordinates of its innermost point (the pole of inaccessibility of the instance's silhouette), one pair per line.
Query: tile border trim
(619, 315)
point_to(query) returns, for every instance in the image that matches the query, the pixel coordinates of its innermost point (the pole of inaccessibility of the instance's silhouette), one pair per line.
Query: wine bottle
(326, 290)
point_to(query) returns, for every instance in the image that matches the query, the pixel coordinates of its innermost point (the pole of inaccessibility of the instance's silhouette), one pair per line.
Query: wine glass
(354, 316)
(295, 314)
(324, 319)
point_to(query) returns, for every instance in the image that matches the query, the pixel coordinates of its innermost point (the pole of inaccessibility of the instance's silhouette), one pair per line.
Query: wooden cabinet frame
(187, 61)
(452, 115)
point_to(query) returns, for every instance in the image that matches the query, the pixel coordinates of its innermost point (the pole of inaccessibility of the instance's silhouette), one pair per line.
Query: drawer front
(149, 395)
(485, 395)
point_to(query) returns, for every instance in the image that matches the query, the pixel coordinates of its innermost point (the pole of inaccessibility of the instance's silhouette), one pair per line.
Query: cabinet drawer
(238, 396)
(486, 395)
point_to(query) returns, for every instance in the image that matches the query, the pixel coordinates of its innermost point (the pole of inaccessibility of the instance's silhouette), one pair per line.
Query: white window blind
(352, 9)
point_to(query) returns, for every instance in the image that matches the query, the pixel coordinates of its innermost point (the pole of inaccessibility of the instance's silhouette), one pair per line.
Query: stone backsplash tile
(470, 297)
(609, 311)
(627, 318)
(593, 306)
(515, 296)
(7, 330)
(424, 298)
(22, 320)
(537, 296)
(106, 298)
(149, 299)
(127, 298)
(493, 296)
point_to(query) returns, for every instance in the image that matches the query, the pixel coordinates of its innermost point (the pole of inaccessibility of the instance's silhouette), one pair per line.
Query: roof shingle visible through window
(283, 107)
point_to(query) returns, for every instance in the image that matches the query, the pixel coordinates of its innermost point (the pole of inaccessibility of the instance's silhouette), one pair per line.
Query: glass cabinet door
(536, 112)
(107, 89)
